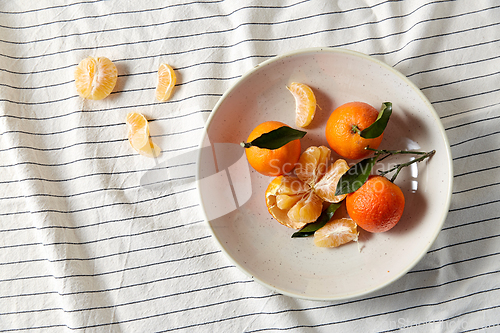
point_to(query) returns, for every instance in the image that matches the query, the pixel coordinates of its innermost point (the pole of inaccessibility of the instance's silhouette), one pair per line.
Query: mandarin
(377, 206)
(272, 162)
(305, 103)
(342, 130)
(95, 78)
(295, 201)
(166, 82)
(336, 232)
(138, 135)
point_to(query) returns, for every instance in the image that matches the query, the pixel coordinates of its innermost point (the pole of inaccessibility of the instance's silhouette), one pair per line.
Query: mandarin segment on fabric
(95, 78)
(138, 135)
(165, 82)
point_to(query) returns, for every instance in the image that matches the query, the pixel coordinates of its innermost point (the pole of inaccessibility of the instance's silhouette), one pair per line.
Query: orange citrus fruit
(272, 162)
(336, 232)
(377, 206)
(305, 103)
(138, 135)
(315, 170)
(95, 78)
(295, 201)
(166, 82)
(285, 194)
(341, 131)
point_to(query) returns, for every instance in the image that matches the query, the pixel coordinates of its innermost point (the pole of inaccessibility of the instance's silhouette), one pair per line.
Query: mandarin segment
(95, 78)
(336, 232)
(138, 135)
(297, 200)
(166, 82)
(287, 201)
(150, 149)
(305, 103)
(327, 185)
(138, 129)
(281, 215)
(312, 164)
(307, 209)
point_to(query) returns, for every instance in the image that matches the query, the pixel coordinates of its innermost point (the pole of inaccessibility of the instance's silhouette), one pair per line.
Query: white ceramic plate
(232, 194)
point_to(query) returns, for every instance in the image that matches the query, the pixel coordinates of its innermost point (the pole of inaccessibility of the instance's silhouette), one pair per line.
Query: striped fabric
(85, 247)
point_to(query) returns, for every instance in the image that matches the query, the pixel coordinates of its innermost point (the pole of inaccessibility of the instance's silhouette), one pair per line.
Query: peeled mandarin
(95, 78)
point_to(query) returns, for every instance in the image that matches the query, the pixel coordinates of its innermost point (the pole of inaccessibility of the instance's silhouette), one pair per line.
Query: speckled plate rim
(430, 108)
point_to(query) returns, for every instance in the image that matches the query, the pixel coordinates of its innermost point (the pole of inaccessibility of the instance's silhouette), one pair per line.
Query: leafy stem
(399, 167)
(357, 175)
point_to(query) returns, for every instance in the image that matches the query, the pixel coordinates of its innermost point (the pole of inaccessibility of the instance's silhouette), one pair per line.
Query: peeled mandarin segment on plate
(95, 78)
(336, 232)
(285, 201)
(307, 209)
(296, 201)
(305, 103)
(312, 164)
(138, 135)
(271, 202)
(166, 82)
(292, 185)
(327, 185)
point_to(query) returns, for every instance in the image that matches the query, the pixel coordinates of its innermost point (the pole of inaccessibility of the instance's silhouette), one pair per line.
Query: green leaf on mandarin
(356, 176)
(276, 138)
(377, 128)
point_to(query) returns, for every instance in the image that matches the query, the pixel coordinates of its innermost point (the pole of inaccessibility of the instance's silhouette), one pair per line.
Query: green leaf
(276, 138)
(356, 176)
(377, 128)
(326, 215)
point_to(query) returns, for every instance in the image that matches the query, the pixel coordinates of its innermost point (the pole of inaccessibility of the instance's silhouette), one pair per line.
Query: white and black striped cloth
(83, 247)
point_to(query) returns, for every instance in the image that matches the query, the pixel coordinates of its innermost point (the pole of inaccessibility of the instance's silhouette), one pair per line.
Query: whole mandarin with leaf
(272, 162)
(343, 127)
(377, 206)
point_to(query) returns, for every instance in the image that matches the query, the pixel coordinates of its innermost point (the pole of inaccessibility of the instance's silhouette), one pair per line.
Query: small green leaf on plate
(326, 215)
(276, 138)
(356, 176)
(377, 128)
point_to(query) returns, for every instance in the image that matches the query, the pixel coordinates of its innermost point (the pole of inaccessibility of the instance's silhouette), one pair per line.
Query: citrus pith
(95, 78)
(336, 232)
